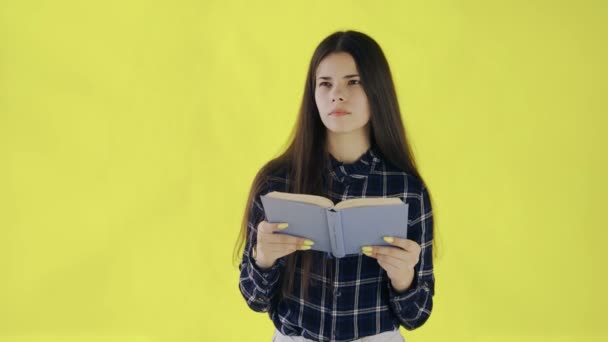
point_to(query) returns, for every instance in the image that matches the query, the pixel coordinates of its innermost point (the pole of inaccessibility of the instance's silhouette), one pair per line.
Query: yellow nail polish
(367, 253)
(283, 225)
(366, 249)
(388, 239)
(308, 242)
(305, 248)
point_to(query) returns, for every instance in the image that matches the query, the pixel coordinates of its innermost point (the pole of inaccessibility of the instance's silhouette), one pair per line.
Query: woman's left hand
(398, 262)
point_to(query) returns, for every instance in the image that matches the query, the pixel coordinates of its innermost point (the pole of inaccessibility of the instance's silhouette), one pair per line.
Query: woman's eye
(323, 83)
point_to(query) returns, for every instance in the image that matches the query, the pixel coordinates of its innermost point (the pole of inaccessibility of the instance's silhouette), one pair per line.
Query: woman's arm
(257, 285)
(413, 306)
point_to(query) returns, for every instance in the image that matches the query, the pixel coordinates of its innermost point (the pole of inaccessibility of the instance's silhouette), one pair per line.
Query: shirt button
(265, 282)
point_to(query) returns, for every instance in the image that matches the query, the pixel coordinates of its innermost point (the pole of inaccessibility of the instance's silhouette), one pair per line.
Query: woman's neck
(348, 147)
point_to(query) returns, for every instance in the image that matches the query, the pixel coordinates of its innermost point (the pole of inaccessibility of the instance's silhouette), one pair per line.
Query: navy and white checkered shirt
(358, 300)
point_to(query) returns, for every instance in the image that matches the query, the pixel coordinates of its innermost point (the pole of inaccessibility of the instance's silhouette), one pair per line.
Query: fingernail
(309, 242)
(367, 253)
(366, 249)
(283, 225)
(304, 248)
(388, 239)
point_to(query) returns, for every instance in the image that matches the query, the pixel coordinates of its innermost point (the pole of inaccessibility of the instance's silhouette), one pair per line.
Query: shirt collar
(357, 170)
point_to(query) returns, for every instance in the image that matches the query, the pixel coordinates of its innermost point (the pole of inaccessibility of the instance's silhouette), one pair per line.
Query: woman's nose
(337, 95)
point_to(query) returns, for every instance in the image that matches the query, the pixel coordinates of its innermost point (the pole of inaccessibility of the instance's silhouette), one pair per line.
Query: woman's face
(338, 87)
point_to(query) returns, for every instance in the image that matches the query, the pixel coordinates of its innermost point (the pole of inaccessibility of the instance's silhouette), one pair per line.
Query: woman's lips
(339, 113)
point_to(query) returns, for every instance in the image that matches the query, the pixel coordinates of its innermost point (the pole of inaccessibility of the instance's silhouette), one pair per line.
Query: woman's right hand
(270, 247)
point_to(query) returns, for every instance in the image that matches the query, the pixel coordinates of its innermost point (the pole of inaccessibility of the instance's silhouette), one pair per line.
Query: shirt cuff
(264, 278)
(399, 296)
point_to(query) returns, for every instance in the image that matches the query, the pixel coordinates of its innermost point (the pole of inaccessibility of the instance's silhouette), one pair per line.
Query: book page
(367, 202)
(303, 198)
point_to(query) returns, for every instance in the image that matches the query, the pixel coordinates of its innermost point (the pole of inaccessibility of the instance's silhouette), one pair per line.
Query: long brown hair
(307, 149)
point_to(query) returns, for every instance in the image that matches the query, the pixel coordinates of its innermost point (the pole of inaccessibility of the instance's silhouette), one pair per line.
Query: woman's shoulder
(397, 177)
(275, 176)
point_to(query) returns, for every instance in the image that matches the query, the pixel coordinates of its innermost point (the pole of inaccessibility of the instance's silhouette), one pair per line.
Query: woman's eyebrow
(329, 78)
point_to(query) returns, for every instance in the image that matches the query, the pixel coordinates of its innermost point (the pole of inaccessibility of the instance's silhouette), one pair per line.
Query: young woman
(349, 142)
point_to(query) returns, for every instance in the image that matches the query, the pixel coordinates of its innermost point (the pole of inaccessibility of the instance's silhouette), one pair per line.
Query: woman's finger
(392, 262)
(393, 252)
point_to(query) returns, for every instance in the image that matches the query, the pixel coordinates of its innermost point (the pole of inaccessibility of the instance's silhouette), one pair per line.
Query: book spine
(339, 236)
(336, 236)
(331, 218)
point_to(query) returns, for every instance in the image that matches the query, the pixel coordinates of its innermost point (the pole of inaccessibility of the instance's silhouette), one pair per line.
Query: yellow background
(130, 132)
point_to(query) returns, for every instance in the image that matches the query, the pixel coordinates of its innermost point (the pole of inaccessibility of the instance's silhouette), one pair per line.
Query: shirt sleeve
(413, 306)
(258, 286)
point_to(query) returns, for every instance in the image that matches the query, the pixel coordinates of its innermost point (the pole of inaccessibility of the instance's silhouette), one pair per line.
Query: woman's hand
(271, 246)
(398, 261)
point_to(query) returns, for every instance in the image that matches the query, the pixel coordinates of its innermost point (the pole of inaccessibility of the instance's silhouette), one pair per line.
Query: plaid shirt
(358, 300)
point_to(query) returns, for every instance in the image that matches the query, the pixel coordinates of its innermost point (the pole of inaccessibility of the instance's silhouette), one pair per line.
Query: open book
(341, 229)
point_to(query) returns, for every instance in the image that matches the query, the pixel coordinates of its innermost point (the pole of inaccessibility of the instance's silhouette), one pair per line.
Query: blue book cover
(340, 229)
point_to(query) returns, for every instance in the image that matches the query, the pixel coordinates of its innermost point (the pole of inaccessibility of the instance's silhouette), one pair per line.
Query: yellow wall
(130, 133)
